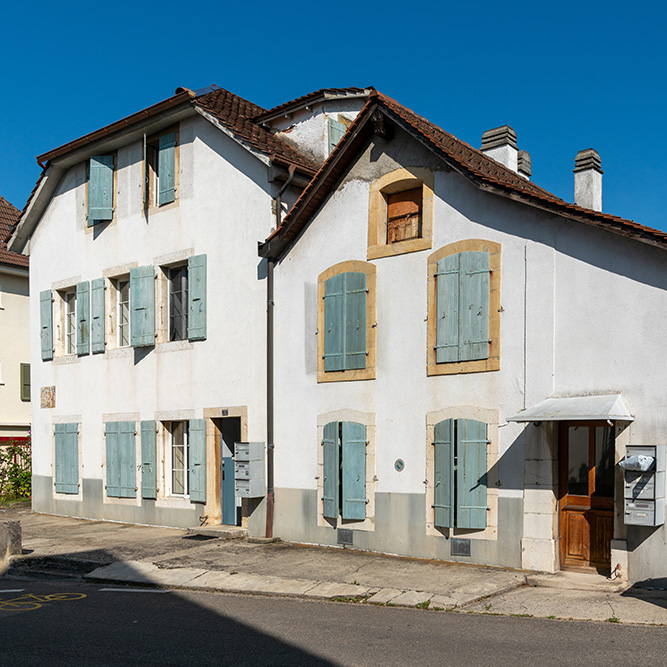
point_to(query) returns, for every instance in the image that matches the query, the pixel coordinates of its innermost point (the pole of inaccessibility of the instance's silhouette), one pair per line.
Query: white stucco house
(14, 339)
(440, 358)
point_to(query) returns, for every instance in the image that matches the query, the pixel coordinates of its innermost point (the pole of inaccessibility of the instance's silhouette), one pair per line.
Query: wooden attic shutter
(331, 460)
(46, 324)
(336, 130)
(67, 458)
(404, 215)
(334, 323)
(148, 459)
(471, 445)
(197, 297)
(100, 189)
(197, 460)
(443, 480)
(97, 315)
(353, 454)
(166, 168)
(142, 304)
(83, 318)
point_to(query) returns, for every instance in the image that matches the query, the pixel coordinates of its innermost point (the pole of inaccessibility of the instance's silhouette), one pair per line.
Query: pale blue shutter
(443, 478)
(197, 297)
(447, 322)
(334, 323)
(353, 454)
(67, 458)
(471, 474)
(148, 460)
(197, 459)
(166, 169)
(474, 306)
(113, 459)
(83, 318)
(331, 460)
(128, 459)
(100, 189)
(336, 130)
(97, 315)
(142, 304)
(46, 324)
(355, 320)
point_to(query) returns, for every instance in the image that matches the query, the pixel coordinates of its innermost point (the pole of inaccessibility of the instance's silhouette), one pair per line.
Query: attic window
(404, 212)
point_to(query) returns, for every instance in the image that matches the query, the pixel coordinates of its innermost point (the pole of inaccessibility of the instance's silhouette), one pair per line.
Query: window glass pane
(577, 460)
(70, 324)
(124, 313)
(604, 461)
(178, 300)
(179, 458)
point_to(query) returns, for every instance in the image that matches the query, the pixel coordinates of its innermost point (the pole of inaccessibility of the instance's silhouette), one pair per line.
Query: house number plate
(399, 464)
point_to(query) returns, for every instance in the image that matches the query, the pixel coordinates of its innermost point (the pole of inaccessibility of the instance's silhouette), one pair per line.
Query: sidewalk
(225, 560)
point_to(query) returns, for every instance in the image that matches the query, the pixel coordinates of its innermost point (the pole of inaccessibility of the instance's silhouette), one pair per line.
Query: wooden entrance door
(586, 494)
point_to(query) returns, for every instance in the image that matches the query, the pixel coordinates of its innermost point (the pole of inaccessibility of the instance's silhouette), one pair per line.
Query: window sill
(119, 352)
(398, 248)
(66, 359)
(346, 376)
(174, 346)
(456, 367)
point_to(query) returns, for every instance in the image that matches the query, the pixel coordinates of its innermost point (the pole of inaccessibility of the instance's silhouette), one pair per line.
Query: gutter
(270, 304)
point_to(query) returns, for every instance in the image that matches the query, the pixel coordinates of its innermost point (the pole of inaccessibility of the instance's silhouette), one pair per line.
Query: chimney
(588, 179)
(500, 144)
(524, 164)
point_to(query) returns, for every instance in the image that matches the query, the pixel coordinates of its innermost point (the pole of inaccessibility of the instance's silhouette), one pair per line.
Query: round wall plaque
(399, 464)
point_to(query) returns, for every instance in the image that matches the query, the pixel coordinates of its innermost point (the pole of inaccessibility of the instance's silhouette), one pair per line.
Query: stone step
(224, 532)
(582, 581)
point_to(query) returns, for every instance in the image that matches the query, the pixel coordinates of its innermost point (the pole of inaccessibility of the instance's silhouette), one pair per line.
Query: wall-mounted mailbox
(644, 490)
(249, 469)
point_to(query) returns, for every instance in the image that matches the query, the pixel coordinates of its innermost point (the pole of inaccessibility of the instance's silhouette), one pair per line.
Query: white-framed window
(123, 311)
(179, 454)
(70, 322)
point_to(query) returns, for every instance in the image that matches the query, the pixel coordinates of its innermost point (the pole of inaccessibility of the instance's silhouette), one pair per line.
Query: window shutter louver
(443, 481)
(46, 324)
(336, 130)
(471, 474)
(331, 460)
(142, 304)
(197, 297)
(97, 315)
(197, 457)
(447, 325)
(474, 306)
(67, 458)
(113, 459)
(83, 318)
(355, 320)
(334, 323)
(100, 189)
(128, 459)
(354, 470)
(167, 169)
(25, 382)
(148, 459)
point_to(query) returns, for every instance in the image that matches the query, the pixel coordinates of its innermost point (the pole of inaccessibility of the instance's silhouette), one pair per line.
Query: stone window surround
(492, 363)
(391, 183)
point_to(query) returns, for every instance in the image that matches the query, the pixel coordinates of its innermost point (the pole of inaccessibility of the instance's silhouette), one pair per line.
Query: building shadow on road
(653, 591)
(134, 624)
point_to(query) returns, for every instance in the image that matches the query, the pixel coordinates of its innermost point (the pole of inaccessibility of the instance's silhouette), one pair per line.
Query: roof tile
(9, 216)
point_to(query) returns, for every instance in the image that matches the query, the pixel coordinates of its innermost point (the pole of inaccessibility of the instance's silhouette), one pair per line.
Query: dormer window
(404, 215)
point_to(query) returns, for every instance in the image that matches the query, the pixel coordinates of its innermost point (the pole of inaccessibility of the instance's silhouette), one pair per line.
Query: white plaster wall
(223, 208)
(307, 129)
(14, 351)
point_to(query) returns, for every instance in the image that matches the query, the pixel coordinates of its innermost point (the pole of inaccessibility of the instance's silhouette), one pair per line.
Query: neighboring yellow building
(14, 338)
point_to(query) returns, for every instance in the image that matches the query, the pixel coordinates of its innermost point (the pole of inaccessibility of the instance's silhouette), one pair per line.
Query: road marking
(31, 601)
(12, 590)
(132, 590)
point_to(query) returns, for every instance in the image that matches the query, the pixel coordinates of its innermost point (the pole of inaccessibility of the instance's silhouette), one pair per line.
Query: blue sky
(566, 76)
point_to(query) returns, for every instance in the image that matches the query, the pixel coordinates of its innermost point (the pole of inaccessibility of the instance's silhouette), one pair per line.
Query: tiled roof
(481, 168)
(9, 215)
(237, 115)
(310, 98)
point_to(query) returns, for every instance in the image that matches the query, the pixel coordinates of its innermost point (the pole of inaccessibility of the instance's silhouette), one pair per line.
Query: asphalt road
(57, 623)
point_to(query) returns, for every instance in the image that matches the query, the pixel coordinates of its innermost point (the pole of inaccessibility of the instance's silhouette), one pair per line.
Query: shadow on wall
(105, 627)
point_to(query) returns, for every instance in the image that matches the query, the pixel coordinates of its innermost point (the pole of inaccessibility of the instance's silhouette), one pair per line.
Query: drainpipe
(269, 364)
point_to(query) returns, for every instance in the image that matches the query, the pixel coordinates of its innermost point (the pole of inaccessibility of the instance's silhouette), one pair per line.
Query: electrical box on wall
(644, 490)
(249, 470)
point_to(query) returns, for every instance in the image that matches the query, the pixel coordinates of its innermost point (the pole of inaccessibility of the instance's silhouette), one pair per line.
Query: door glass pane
(604, 461)
(577, 460)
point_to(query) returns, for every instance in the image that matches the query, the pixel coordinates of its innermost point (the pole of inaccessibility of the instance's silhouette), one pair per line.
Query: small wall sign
(399, 464)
